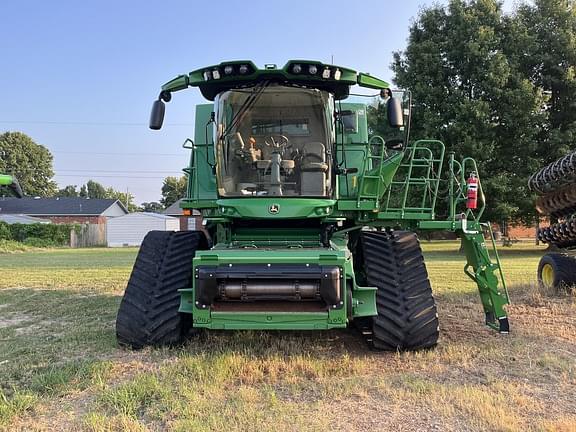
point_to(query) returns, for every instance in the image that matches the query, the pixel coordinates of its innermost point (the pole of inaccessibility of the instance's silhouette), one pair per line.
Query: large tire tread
(407, 317)
(148, 313)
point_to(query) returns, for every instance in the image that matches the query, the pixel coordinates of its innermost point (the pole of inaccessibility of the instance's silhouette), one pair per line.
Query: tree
(125, 198)
(68, 191)
(31, 163)
(96, 190)
(548, 47)
(469, 91)
(152, 207)
(173, 189)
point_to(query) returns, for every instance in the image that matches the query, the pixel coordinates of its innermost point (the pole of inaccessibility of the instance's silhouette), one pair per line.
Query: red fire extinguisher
(472, 191)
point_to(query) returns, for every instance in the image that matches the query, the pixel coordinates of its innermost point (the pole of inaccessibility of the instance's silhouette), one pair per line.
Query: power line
(88, 171)
(108, 176)
(84, 123)
(118, 154)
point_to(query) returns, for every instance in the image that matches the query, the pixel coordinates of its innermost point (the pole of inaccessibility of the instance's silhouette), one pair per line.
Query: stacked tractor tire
(555, 185)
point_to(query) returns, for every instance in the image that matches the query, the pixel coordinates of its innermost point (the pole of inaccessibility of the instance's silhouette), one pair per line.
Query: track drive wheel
(407, 318)
(556, 270)
(148, 313)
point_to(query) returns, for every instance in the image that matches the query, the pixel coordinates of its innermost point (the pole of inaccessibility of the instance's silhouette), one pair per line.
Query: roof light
(207, 75)
(216, 74)
(296, 69)
(337, 74)
(326, 73)
(228, 70)
(243, 69)
(312, 69)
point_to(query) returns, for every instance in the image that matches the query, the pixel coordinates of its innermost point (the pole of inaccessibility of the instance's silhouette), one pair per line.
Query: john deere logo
(274, 208)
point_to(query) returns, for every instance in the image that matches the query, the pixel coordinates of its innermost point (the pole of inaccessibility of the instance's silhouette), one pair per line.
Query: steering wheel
(277, 141)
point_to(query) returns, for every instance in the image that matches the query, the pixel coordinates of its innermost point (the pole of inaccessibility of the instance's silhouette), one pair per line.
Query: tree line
(31, 163)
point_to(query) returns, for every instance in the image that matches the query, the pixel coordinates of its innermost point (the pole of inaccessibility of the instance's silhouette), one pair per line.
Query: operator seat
(313, 169)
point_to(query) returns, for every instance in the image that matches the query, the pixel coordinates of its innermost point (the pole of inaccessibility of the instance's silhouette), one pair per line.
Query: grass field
(60, 368)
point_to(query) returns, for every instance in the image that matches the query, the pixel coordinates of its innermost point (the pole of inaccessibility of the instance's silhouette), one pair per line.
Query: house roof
(146, 214)
(22, 219)
(57, 206)
(175, 210)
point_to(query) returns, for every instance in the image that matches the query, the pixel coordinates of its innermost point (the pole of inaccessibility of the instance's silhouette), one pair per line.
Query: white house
(130, 230)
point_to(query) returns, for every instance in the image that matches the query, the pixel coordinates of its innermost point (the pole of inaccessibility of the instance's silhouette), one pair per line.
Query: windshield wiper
(245, 107)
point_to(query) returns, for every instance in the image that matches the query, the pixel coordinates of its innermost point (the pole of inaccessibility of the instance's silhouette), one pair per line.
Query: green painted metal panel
(5, 180)
(375, 181)
(201, 179)
(367, 80)
(355, 148)
(276, 208)
(363, 298)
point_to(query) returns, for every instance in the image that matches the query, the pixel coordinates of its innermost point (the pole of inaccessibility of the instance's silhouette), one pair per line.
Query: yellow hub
(548, 275)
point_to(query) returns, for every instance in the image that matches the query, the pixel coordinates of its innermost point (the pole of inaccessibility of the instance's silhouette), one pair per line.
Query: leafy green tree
(96, 190)
(469, 91)
(173, 189)
(31, 163)
(125, 198)
(152, 207)
(547, 54)
(68, 191)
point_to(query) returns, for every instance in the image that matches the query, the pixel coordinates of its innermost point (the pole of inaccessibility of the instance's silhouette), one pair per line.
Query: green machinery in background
(310, 198)
(12, 184)
(555, 185)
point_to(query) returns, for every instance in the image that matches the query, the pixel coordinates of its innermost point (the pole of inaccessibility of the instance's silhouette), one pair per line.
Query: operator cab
(274, 140)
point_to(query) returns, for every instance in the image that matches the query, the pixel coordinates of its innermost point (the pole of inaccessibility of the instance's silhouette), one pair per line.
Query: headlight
(216, 74)
(326, 73)
(337, 74)
(207, 75)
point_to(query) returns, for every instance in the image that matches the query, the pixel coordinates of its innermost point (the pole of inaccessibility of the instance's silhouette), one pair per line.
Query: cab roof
(212, 80)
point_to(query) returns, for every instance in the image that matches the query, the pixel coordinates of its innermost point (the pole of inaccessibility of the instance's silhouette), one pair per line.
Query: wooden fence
(88, 235)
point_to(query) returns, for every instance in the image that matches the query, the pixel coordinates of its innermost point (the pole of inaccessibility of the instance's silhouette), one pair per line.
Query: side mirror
(395, 114)
(157, 114)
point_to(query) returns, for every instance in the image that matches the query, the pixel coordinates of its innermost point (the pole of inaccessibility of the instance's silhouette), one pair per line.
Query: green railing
(458, 172)
(413, 192)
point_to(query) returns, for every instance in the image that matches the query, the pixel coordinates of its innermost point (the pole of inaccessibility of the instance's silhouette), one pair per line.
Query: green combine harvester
(555, 185)
(12, 184)
(310, 198)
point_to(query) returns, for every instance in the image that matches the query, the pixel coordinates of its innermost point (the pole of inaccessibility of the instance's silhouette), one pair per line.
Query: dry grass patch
(65, 372)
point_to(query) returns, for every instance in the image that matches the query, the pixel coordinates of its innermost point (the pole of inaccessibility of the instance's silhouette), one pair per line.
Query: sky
(79, 77)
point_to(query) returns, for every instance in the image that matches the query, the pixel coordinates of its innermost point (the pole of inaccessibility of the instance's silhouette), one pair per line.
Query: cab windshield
(274, 141)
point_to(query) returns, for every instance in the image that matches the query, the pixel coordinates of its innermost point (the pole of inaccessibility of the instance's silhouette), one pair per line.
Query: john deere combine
(556, 187)
(310, 198)
(12, 184)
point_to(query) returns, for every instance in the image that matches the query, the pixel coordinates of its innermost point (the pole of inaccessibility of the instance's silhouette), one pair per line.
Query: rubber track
(407, 317)
(148, 313)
